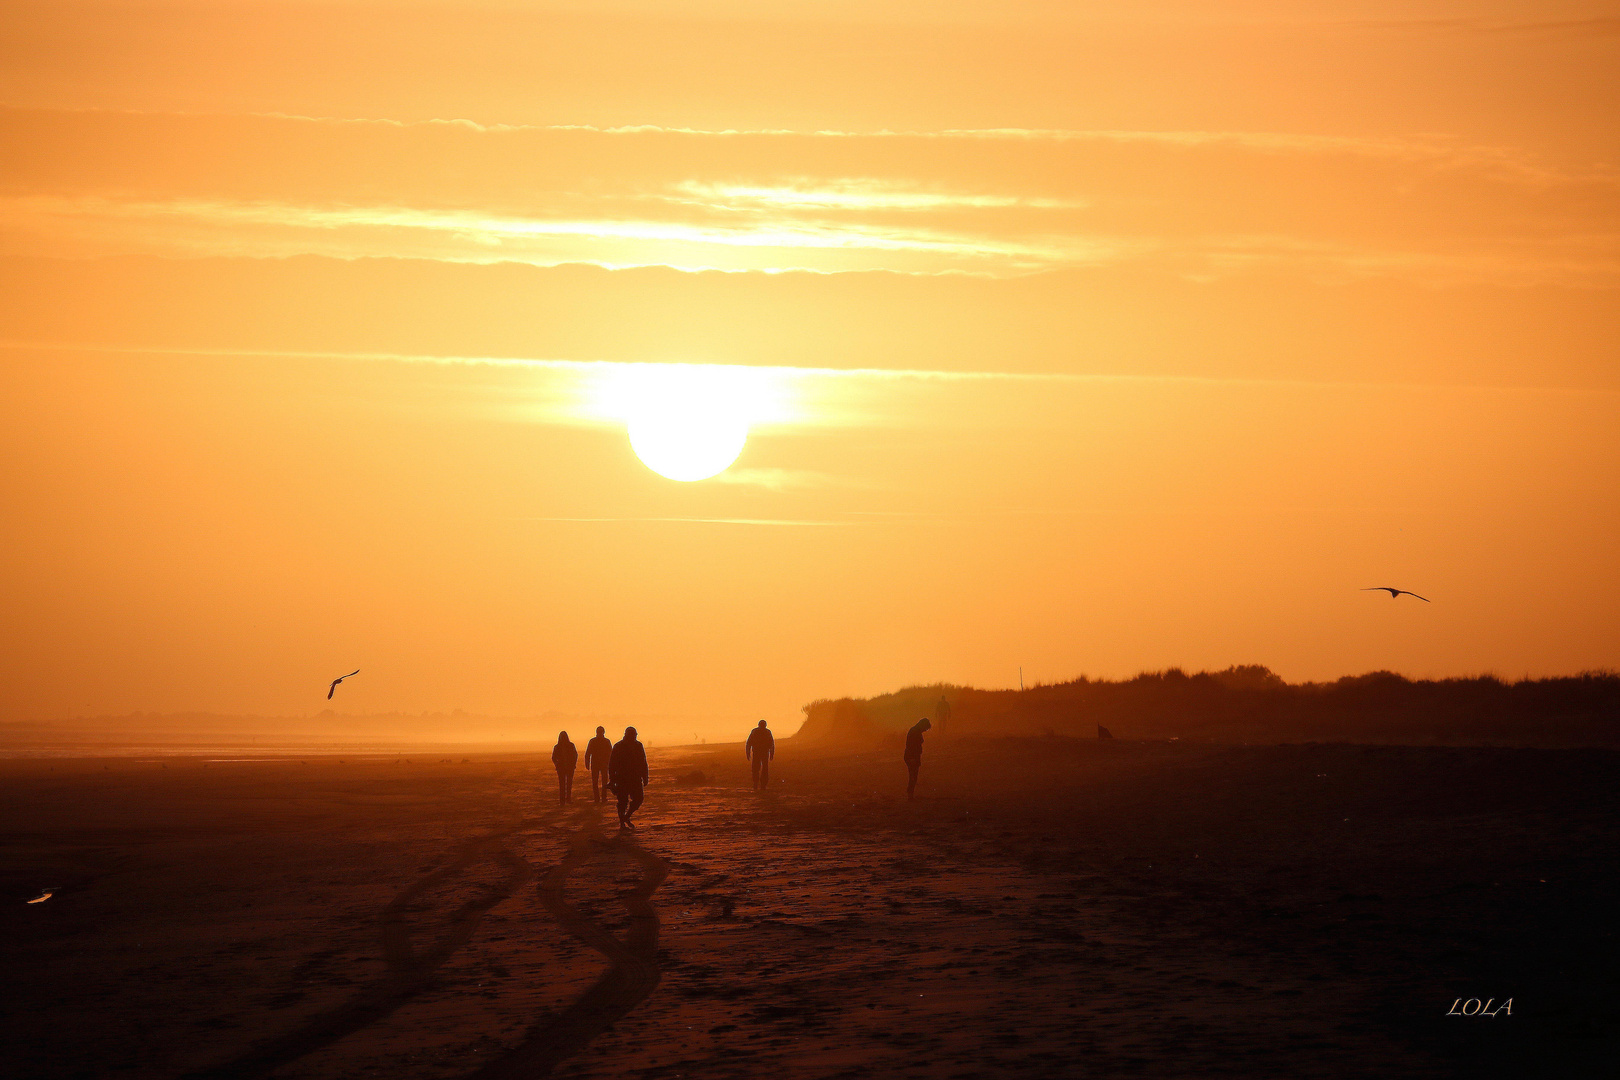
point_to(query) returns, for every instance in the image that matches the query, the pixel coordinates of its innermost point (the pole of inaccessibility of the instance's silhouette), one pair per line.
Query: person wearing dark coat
(913, 755)
(565, 756)
(627, 772)
(761, 748)
(597, 752)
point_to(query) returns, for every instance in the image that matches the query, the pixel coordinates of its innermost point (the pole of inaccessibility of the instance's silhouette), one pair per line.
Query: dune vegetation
(1245, 704)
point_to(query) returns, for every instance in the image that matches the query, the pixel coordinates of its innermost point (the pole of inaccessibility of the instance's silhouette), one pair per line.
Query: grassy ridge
(1247, 704)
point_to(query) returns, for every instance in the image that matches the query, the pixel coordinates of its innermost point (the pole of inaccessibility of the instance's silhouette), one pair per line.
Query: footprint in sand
(631, 978)
(408, 970)
(634, 973)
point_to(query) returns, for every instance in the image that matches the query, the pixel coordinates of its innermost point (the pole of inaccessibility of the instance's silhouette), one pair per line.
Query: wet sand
(1045, 908)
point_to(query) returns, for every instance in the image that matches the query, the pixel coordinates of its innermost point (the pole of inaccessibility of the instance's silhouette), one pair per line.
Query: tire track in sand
(633, 976)
(407, 972)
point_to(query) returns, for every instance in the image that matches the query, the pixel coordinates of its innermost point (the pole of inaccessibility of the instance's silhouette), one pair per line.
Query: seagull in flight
(335, 682)
(1393, 593)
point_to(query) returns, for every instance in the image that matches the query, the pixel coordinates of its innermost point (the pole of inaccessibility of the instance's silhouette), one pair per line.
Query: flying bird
(335, 682)
(1393, 592)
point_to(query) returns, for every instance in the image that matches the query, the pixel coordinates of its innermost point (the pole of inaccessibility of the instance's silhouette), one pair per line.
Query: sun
(685, 443)
(687, 422)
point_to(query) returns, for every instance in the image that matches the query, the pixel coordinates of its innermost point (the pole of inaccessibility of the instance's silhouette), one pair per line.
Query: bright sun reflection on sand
(688, 421)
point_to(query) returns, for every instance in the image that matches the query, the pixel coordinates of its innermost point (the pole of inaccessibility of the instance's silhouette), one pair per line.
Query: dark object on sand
(696, 776)
(1104, 733)
(333, 688)
(1394, 592)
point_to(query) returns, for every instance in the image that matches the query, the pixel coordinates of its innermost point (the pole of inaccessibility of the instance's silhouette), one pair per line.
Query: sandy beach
(1045, 908)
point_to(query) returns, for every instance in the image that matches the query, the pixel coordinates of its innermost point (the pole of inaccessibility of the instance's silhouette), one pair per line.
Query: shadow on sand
(634, 973)
(408, 972)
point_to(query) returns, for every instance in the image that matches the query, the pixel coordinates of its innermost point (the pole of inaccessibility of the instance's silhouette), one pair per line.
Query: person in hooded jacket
(913, 754)
(565, 756)
(760, 749)
(627, 772)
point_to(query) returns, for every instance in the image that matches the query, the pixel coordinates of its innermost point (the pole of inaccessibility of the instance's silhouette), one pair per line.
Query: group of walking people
(621, 768)
(615, 769)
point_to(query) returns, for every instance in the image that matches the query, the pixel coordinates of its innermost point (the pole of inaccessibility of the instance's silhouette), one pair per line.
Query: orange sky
(1102, 337)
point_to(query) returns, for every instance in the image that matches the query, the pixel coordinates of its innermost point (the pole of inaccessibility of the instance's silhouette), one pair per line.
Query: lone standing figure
(565, 756)
(913, 756)
(761, 747)
(597, 752)
(627, 771)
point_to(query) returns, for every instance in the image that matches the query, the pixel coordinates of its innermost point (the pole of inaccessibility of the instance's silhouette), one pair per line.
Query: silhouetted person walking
(943, 711)
(761, 747)
(597, 752)
(914, 739)
(565, 756)
(627, 772)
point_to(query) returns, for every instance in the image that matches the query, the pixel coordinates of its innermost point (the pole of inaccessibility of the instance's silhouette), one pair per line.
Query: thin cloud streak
(690, 520)
(855, 195)
(772, 247)
(777, 479)
(1403, 146)
(475, 236)
(834, 373)
(1191, 203)
(1596, 27)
